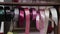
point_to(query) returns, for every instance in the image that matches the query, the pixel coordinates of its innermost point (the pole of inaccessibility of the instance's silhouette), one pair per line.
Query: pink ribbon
(37, 21)
(21, 22)
(42, 19)
(27, 14)
(34, 12)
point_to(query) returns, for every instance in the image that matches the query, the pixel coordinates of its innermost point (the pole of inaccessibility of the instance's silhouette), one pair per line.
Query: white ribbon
(16, 11)
(54, 15)
(46, 20)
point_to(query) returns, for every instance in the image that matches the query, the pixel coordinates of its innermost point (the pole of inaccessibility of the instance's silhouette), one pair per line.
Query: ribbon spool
(21, 17)
(27, 15)
(2, 14)
(32, 16)
(7, 19)
(54, 18)
(54, 15)
(37, 21)
(16, 14)
(7, 13)
(42, 20)
(47, 19)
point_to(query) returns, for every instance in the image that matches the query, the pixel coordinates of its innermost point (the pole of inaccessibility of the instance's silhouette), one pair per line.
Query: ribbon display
(27, 13)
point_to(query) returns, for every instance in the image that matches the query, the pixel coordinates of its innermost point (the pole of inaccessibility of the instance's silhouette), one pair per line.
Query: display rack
(34, 4)
(30, 4)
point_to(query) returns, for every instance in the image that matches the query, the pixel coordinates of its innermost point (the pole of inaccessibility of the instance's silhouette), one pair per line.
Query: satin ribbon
(2, 27)
(2, 13)
(37, 21)
(34, 12)
(16, 11)
(54, 15)
(42, 19)
(27, 15)
(46, 19)
(21, 22)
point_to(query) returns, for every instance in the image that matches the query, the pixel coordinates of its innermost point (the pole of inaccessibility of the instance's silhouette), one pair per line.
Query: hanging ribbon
(37, 21)
(27, 14)
(16, 11)
(54, 15)
(21, 22)
(46, 19)
(42, 19)
(34, 13)
(2, 13)
(7, 14)
(32, 17)
(54, 18)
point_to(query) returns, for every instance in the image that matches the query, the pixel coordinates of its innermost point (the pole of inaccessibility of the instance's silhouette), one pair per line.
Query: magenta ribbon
(27, 15)
(34, 12)
(21, 18)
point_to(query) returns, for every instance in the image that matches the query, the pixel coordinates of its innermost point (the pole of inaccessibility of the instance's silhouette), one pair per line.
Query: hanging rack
(31, 4)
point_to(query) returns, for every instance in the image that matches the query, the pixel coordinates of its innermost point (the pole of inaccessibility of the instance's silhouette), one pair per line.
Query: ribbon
(46, 19)
(32, 16)
(42, 19)
(37, 21)
(16, 11)
(54, 15)
(21, 22)
(2, 27)
(7, 14)
(54, 18)
(27, 15)
(34, 13)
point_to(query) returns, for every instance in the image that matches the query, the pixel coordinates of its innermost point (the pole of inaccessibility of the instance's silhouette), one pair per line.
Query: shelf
(42, 3)
(33, 29)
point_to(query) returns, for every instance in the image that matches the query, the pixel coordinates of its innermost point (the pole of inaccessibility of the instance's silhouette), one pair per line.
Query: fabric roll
(47, 20)
(42, 23)
(27, 15)
(54, 15)
(7, 13)
(16, 14)
(33, 17)
(21, 17)
(37, 21)
(7, 19)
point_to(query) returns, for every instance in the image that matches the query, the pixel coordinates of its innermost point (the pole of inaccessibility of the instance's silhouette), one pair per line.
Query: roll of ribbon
(21, 18)
(16, 11)
(34, 12)
(42, 19)
(32, 17)
(2, 13)
(37, 21)
(27, 15)
(47, 19)
(54, 15)
(7, 13)
(2, 27)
